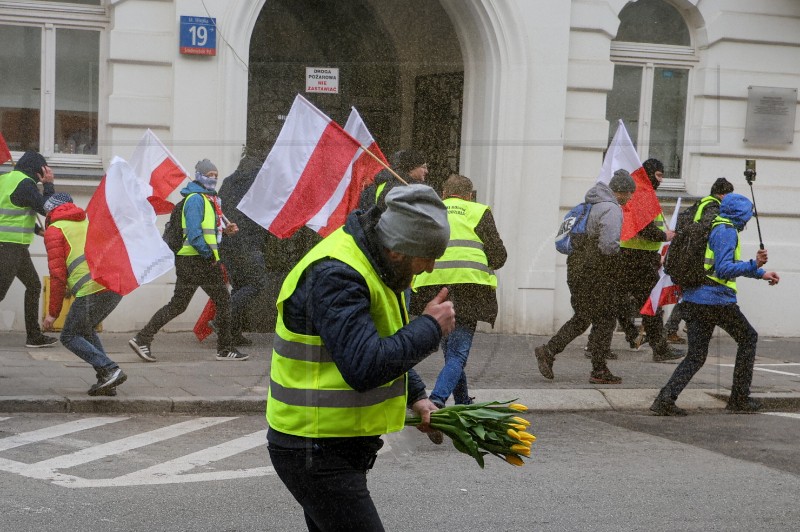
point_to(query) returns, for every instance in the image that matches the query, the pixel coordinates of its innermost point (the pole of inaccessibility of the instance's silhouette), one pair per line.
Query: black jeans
(639, 276)
(700, 321)
(247, 272)
(194, 272)
(17, 263)
(330, 483)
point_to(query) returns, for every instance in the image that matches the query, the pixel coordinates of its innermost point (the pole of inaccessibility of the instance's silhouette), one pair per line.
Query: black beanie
(651, 166)
(406, 160)
(31, 164)
(721, 186)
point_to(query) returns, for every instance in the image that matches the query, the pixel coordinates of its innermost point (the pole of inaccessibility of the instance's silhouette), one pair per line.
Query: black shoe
(142, 349)
(242, 341)
(545, 358)
(107, 379)
(604, 377)
(668, 354)
(611, 355)
(40, 341)
(231, 354)
(666, 408)
(747, 406)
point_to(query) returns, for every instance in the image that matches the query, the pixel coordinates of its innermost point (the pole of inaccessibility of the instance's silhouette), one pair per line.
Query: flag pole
(383, 164)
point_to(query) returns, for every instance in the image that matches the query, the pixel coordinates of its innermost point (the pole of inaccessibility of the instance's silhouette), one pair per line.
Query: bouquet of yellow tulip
(485, 428)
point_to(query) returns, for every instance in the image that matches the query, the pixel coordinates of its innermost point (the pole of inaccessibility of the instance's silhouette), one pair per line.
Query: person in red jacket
(65, 239)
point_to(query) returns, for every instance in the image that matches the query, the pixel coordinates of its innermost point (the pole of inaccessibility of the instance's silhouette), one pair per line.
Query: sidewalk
(187, 378)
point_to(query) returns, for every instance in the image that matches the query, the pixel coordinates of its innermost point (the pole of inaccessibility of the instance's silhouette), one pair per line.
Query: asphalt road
(593, 471)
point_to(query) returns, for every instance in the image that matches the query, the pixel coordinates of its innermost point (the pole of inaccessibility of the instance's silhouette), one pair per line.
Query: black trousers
(639, 276)
(330, 483)
(193, 273)
(17, 263)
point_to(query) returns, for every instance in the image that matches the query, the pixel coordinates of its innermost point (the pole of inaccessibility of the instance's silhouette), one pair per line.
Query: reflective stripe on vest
(17, 224)
(79, 278)
(208, 225)
(705, 202)
(641, 243)
(708, 264)
(464, 261)
(307, 395)
(378, 191)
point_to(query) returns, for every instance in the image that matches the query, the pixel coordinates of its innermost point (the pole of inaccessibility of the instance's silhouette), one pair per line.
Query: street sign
(198, 36)
(322, 80)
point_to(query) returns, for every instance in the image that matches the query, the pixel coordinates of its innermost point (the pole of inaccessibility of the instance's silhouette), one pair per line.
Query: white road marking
(783, 414)
(4, 418)
(760, 367)
(34, 436)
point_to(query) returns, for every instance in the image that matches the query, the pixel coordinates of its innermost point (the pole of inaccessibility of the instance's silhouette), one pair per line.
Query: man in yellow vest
(65, 239)
(467, 268)
(342, 362)
(411, 165)
(713, 304)
(20, 200)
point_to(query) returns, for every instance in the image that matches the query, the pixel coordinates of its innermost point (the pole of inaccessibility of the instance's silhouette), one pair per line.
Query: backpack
(173, 230)
(686, 254)
(572, 231)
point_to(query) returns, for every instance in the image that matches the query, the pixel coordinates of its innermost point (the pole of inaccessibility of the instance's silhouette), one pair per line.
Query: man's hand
(231, 229)
(440, 309)
(772, 278)
(46, 175)
(47, 322)
(761, 257)
(423, 409)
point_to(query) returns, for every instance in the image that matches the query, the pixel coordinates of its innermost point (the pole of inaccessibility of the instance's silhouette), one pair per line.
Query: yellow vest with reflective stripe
(209, 226)
(79, 278)
(464, 261)
(17, 224)
(737, 255)
(705, 202)
(307, 395)
(641, 243)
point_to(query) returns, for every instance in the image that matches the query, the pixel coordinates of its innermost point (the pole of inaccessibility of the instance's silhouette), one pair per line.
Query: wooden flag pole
(383, 164)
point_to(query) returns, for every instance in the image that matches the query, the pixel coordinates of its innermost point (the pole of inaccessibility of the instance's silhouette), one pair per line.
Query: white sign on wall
(322, 80)
(770, 116)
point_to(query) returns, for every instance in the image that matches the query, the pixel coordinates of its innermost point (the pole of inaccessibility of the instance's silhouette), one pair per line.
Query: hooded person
(714, 304)
(342, 362)
(197, 265)
(20, 200)
(65, 238)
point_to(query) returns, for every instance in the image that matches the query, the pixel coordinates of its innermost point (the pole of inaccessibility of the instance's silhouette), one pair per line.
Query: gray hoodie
(604, 224)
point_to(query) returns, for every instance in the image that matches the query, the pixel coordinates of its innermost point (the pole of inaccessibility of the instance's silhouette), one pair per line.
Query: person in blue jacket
(714, 304)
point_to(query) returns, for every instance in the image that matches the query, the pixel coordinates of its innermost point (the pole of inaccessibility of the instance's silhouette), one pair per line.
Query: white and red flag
(5, 153)
(124, 247)
(360, 173)
(301, 172)
(643, 206)
(156, 165)
(665, 292)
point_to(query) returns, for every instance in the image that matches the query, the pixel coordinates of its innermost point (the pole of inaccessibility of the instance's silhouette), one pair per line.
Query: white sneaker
(143, 350)
(231, 354)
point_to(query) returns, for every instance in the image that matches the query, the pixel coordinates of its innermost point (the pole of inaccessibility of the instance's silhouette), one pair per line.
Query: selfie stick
(750, 175)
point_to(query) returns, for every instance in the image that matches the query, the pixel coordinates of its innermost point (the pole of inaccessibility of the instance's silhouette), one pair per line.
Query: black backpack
(686, 255)
(173, 231)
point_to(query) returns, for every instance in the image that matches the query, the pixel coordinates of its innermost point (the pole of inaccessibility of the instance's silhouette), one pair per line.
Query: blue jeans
(452, 380)
(78, 334)
(700, 321)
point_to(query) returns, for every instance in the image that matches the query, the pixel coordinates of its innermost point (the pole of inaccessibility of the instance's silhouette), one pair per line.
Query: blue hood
(194, 186)
(736, 208)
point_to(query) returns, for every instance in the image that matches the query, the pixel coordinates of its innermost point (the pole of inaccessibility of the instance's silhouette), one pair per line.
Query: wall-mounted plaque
(770, 116)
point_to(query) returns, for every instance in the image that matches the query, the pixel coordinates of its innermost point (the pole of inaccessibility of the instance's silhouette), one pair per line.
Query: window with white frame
(653, 59)
(49, 92)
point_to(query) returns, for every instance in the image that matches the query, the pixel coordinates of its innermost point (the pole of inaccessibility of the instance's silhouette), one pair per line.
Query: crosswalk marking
(783, 414)
(4, 418)
(63, 429)
(761, 367)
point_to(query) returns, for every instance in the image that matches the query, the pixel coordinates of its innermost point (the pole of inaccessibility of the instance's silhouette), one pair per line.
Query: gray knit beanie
(205, 166)
(622, 181)
(414, 222)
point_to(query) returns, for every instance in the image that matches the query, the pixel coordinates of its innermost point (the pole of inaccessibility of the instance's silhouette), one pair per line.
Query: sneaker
(107, 379)
(604, 377)
(675, 339)
(545, 358)
(748, 406)
(242, 341)
(641, 338)
(40, 341)
(141, 349)
(666, 408)
(231, 354)
(611, 355)
(668, 354)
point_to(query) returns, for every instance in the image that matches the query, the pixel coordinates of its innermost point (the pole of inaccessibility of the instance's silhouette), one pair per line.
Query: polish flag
(156, 165)
(301, 172)
(643, 207)
(124, 247)
(665, 292)
(360, 173)
(5, 153)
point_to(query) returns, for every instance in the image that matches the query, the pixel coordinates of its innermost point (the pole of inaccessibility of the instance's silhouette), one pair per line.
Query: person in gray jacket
(592, 279)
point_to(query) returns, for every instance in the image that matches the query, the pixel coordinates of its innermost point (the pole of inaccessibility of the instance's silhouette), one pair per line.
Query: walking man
(593, 280)
(197, 264)
(467, 268)
(65, 239)
(20, 200)
(714, 304)
(411, 165)
(342, 363)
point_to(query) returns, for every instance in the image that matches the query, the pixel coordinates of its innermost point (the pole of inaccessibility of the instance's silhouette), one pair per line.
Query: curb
(138, 405)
